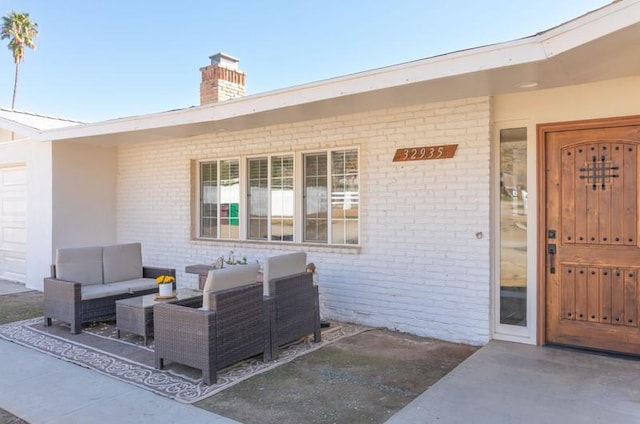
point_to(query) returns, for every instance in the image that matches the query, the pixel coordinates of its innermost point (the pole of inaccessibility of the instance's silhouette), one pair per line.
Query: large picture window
(329, 193)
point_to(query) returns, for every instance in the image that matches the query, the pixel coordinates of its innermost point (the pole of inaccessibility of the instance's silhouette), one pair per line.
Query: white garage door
(13, 223)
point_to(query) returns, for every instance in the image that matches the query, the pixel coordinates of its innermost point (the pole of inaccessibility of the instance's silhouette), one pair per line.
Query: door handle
(551, 251)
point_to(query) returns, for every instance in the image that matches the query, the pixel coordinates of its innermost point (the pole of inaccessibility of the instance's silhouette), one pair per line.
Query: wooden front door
(592, 246)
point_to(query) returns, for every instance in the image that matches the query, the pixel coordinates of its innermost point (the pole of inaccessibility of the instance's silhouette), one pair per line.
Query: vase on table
(165, 285)
(166, 290)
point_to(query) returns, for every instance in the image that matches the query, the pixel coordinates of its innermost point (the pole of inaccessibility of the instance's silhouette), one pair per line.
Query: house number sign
(445, 151)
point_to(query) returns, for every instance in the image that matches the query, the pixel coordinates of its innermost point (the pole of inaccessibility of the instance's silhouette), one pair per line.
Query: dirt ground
(364, 378)
(20, 306)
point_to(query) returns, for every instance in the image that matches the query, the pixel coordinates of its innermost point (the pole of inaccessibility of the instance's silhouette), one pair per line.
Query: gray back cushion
(122, 262)
(282, 266)
(228, 278)
(81, 264)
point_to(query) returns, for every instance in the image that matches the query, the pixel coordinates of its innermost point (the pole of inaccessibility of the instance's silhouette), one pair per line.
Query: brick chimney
(221, 80)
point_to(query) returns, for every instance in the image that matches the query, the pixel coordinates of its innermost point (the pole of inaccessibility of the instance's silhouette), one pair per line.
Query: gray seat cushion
(112, 289)
(81, 264)
(122, 262)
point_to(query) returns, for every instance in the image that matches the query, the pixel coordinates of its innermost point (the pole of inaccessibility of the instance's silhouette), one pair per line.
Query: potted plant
(165, 285)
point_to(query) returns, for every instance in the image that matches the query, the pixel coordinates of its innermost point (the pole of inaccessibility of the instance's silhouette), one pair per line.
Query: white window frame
(329, 176)
(219, 203)
(245, 183)
(502, 331)
(298, 187)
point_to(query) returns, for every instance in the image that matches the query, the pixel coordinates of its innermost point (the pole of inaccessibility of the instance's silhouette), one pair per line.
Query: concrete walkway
(506, 383)
(502, 383)
(42, 389)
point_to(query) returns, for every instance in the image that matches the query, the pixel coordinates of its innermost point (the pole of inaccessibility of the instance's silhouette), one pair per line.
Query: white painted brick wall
(420, 268)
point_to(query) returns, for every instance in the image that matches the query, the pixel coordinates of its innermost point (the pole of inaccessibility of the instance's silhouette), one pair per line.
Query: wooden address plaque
(445, 151)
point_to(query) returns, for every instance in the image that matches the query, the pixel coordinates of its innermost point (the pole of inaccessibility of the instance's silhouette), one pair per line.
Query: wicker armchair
(230, 327)
(292, 300)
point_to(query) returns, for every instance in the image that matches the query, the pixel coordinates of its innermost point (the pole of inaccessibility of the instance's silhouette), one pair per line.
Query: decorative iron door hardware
(598, 172)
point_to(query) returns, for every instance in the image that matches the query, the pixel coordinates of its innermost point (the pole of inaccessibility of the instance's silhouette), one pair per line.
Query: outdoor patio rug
(128, 359)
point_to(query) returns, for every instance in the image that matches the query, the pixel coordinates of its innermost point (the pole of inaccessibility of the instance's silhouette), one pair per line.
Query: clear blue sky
(104, 59)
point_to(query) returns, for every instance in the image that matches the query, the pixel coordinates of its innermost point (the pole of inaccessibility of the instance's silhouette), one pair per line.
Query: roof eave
(540, 47)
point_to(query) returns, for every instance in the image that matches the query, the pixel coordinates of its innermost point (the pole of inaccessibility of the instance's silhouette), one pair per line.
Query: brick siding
(420, 267)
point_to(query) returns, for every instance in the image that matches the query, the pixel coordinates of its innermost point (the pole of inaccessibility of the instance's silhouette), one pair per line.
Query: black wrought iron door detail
(598, 172)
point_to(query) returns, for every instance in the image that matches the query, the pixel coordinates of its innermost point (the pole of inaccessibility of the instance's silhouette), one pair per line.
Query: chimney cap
(224, 60)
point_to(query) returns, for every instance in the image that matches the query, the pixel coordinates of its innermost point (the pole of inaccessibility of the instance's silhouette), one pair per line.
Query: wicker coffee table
(135, 314)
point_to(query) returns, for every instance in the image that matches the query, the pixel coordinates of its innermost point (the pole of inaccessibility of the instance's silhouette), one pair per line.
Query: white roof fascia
(31, 124)
(539, 47)
(591, 26)
(18, 128)
(438, 67)
(498, 55)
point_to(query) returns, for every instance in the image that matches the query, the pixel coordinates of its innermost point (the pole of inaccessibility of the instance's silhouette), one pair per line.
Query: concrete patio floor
(501, 383)
(504, 383)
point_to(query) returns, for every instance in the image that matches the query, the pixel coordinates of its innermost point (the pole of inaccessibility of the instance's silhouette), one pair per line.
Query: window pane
(258, 201)
(344, 231)
(316, 208)
(330, 195)
(344, 196)
(513, 226)
(282, 200)
(209, 200)
(229, 199)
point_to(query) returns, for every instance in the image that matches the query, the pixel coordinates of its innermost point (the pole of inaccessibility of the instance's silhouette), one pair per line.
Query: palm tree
(21, 33)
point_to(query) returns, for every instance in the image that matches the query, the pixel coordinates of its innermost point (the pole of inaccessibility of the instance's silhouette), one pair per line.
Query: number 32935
(425, 153)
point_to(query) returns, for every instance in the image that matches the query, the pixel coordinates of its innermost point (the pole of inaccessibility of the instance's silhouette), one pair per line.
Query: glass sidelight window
(513, 226)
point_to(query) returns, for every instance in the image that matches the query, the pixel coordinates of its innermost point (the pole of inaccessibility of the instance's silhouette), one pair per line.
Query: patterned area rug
(128, 359)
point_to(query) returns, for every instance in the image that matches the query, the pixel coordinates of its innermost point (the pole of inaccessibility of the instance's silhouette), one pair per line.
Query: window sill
(281, 245)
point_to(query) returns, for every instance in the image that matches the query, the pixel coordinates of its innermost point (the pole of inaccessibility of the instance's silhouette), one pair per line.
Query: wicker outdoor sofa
(87, 281)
